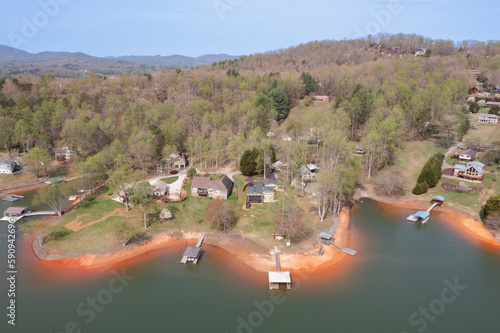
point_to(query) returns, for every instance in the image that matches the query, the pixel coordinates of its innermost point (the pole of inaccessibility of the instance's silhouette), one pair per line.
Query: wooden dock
(193, 253)
(345, 249)
(277, 278)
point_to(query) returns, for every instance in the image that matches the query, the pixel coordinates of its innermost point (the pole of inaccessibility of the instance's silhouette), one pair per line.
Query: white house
(64, 152)
(7, 166)
(488, 119)
(467, 155)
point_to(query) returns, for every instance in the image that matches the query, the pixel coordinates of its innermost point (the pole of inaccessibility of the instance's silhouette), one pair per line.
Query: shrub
(389, 183)
(191, 172)
(474, 107)
(492, 206)
(420, 188)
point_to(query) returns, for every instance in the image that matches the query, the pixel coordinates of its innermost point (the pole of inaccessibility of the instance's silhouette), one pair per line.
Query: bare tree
(220, 215)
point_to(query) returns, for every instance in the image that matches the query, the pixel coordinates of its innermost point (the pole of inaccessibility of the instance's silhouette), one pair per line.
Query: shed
(278, 278)
(325, 237)
(14, 211)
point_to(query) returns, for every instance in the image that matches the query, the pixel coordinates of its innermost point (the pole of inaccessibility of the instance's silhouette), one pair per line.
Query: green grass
(170, 180)
(413, 158)
(487, 134)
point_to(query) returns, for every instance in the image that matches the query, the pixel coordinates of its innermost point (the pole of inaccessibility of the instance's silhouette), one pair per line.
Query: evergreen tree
(247, 162)
(309, 83)
(492, 206)
(420, 188)
(280, 103)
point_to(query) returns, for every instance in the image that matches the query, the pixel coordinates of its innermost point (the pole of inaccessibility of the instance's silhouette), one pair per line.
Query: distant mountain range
(66, 64)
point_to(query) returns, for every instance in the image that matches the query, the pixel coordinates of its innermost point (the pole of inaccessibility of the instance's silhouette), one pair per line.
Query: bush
(191, 172)
(474, 107)
(492, 206)
(420, 188)
(389, 183)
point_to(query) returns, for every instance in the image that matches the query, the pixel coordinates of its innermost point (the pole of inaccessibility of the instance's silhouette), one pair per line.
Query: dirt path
(76, 225)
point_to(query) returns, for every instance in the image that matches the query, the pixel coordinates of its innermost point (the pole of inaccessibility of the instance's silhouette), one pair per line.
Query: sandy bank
(246, 251)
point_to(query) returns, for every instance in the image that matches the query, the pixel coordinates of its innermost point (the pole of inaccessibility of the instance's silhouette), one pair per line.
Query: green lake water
(405, 278)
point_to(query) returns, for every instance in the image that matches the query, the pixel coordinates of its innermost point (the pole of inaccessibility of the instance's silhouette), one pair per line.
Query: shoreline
(244, 250)
(254, 255)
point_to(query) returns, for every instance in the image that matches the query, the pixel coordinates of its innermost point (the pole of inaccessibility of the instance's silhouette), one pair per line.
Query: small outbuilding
(437, 199)
(325, 237)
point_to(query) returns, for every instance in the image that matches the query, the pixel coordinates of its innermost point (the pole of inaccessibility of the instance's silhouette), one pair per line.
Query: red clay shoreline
(251, 254)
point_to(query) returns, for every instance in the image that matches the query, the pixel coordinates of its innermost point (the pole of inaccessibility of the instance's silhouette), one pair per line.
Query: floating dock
(277, 278)
(423, 216)
(193, 253)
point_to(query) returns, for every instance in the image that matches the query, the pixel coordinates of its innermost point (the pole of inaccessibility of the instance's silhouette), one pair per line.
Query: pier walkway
(192, 253)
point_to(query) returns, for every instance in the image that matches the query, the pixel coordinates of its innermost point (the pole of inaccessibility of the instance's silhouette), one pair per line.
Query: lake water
(405, 278)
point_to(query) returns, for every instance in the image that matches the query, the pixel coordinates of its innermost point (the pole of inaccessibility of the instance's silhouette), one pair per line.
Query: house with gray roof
(467, 155)
(260, 194)
(161, 188)
(205, 187)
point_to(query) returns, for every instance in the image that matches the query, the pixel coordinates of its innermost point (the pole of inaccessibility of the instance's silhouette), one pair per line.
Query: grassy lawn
(413, 158)
(485, 133)
(99, 237)
(170, 180)
(21, 178)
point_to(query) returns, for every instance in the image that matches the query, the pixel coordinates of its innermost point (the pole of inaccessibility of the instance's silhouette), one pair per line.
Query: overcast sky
(237, 27)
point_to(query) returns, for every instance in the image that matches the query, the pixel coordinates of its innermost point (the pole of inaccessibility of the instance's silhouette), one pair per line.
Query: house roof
(54, 180)
(476, 163)
(460, 167)
(15, 210)
(488, 116)
(438, 197)
(161, 186)
(192, 252)
(304, 170)
(223, 184)
(422, 214)
(257, 190)
(470, 152)
(312, 167)
(279, 277)
(325, 235)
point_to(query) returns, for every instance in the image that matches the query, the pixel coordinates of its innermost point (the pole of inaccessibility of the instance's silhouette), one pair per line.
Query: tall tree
(55, 196)
(36, 160)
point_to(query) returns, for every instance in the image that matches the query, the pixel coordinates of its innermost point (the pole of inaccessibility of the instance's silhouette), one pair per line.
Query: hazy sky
(237, 27)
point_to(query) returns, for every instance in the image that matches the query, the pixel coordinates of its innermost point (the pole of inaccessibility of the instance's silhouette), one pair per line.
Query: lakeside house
(474, 90)
(467, 155)
(260, 194)
(473, 171)
(161, 188)
(488, 119)
(7, 166)
(205, 187)
(64, 153)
